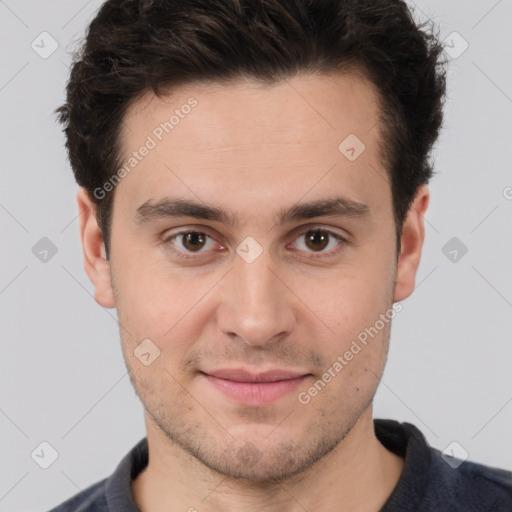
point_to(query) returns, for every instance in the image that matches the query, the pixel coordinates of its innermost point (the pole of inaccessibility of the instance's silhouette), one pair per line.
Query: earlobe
(95, 264)
(413, 235)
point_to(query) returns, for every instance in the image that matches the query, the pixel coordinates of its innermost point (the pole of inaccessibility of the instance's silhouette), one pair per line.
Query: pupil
(191, 239)
(315, 237)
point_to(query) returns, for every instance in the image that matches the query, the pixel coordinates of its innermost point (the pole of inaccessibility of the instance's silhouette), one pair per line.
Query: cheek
(356, 304)
(159, 302)
(353, 298)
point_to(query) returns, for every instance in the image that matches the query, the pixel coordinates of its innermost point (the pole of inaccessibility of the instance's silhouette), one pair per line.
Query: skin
(255, 149)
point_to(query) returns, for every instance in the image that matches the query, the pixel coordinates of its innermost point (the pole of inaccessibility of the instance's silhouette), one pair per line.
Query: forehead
(298, 133)
(318, 103)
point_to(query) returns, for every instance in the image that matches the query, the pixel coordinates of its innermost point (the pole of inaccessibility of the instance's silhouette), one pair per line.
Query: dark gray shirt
(428, 483)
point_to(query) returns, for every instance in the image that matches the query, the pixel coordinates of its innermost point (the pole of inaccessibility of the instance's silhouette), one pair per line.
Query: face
(253, 249)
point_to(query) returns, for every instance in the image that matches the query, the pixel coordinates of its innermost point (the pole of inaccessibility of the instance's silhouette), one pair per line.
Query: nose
(256, 304)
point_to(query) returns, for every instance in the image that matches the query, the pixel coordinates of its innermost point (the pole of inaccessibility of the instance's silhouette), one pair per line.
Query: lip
(255, 388)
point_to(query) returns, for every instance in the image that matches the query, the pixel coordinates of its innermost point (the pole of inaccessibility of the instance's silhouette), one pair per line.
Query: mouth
(255, 389)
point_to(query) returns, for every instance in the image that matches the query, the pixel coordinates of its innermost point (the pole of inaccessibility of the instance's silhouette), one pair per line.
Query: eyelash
(183, 255)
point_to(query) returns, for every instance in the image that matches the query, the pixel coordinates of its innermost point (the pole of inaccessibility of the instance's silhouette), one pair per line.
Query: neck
(358, 475)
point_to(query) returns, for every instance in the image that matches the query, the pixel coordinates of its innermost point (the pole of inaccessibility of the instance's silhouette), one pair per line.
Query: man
(253, 185)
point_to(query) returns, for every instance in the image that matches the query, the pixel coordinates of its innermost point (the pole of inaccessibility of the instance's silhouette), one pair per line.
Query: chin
(263, 458)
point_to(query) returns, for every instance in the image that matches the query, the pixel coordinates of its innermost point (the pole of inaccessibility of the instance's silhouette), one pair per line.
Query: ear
(413, 235)
(95, 264)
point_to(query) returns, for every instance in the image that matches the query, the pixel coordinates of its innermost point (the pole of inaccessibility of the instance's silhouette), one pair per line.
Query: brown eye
(190, 244)
(317, 240)
(193, 240)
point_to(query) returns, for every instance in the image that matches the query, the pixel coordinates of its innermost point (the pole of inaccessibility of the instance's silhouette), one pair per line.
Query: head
(302, 131)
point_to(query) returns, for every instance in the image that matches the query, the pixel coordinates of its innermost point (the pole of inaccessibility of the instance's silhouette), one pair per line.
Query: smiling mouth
(255, 388)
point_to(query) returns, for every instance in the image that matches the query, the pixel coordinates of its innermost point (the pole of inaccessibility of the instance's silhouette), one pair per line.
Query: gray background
(63, 377)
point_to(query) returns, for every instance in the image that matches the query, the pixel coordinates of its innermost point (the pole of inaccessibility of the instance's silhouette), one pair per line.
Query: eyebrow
(177, 207)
